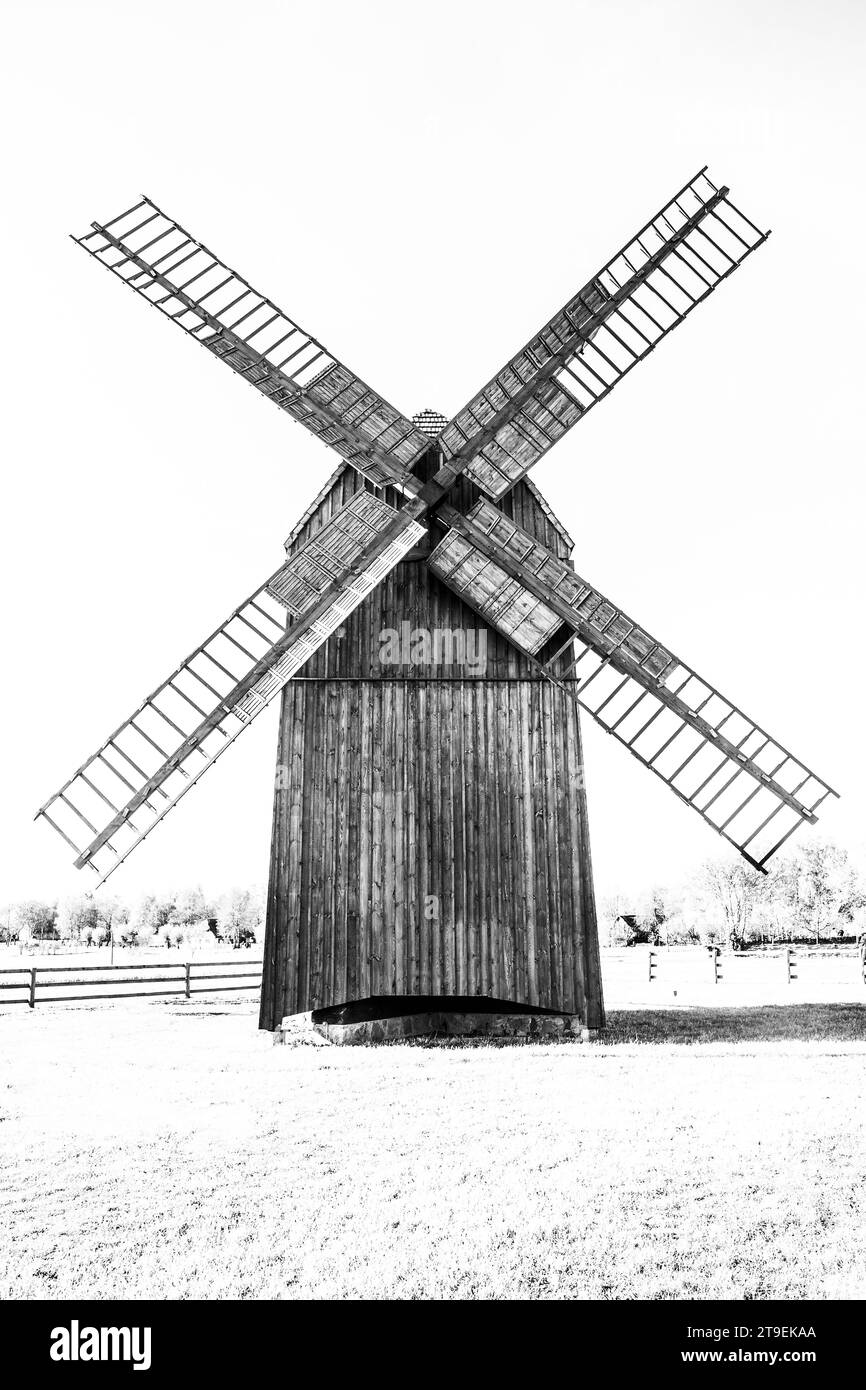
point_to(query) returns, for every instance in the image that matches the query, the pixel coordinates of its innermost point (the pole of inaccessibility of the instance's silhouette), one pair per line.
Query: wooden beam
(227, 704)
(394, 471)
(459, 461)
(614, 653)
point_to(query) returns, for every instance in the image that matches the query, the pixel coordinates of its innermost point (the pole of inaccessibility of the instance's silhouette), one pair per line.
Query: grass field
(167, 1149)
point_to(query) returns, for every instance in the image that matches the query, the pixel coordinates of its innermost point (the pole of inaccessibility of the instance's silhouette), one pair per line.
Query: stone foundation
(300, 1028)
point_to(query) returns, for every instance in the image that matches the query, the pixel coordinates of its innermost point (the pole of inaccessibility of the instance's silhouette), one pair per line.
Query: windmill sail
(213, 304)
(124, 789)
(721, 763)
(645, 291)
(712, 756)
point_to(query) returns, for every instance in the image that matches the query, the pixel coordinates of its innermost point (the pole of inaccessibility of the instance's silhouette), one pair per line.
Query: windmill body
(430, 837)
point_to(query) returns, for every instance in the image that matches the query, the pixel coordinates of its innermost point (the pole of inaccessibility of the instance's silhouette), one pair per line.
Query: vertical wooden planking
(353, 848)
(365, 849)
(411, 781)
(519, 797)
(575, 758)
(569, 914)
(294, 906)
(530, 797)
(468, 790)
(400, 868)
(592, 1003)
(474, 771)
(445, 847)
(496, 968)
(409, 983)
(377, 837)
(459, 772)
(315, 829)
(545, 830)
(510, 983)
(390, 796)
(332, 720)
(424, 927)
(339, 973)
(559, 834)
(275, 942)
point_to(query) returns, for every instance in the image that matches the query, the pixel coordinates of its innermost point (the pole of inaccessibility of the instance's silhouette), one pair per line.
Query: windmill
(430, 835)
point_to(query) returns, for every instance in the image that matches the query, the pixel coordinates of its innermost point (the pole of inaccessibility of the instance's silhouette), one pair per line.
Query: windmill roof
(431, 422)
(342, 466)
(549, 512)
(315, 504)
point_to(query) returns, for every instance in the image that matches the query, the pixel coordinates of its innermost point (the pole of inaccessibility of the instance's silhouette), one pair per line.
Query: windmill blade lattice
(183, 726)
(182, 278)
(739, 779)
(643, 292)
(721, 763)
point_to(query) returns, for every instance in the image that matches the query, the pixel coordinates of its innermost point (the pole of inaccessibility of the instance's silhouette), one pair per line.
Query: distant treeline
(168, 920)
(816, 894)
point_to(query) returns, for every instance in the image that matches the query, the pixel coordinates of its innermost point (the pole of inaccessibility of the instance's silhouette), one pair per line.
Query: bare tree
(77, 918)
(112, 918)
(189, 907)
(611, 909)
(821, 889)
(241, 914)
(734, 890)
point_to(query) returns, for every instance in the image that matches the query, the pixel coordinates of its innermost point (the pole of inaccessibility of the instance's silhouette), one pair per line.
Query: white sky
(421, 187)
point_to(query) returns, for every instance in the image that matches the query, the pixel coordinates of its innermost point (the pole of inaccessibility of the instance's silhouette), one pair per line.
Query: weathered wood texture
(524, 504)
(429, 826)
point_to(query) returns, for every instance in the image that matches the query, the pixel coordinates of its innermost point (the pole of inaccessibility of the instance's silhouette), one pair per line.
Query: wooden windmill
(430, 835)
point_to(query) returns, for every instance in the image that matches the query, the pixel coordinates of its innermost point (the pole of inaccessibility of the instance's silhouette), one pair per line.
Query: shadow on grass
(761, 1023)
(692, 1024)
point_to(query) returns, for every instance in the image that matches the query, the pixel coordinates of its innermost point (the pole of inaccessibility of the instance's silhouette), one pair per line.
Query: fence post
(652, 965)
(717, 964)
(187, 979)
(32, 1000)
(791, 964)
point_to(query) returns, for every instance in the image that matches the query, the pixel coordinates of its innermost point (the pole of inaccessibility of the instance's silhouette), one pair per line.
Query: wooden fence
(185, 978)
(637, 967)
(699, 966)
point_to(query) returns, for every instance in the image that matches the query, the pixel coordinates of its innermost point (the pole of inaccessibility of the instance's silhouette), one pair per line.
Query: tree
(189, 907)
(112, 917)
(683, 918)
(240, 913)
(35, 920)
(733, 890)
(820, 889)
(773, 918)
(152, 912)
(8, 926)
(78, 918)
(157, 919)
(611, 910)
(145, 916)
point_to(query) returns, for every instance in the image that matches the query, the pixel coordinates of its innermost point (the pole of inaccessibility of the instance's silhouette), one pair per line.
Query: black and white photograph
(433, 845)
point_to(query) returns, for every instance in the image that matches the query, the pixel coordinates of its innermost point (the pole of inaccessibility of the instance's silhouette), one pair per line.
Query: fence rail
(711, 965)
(658, 966)
(186, 979)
